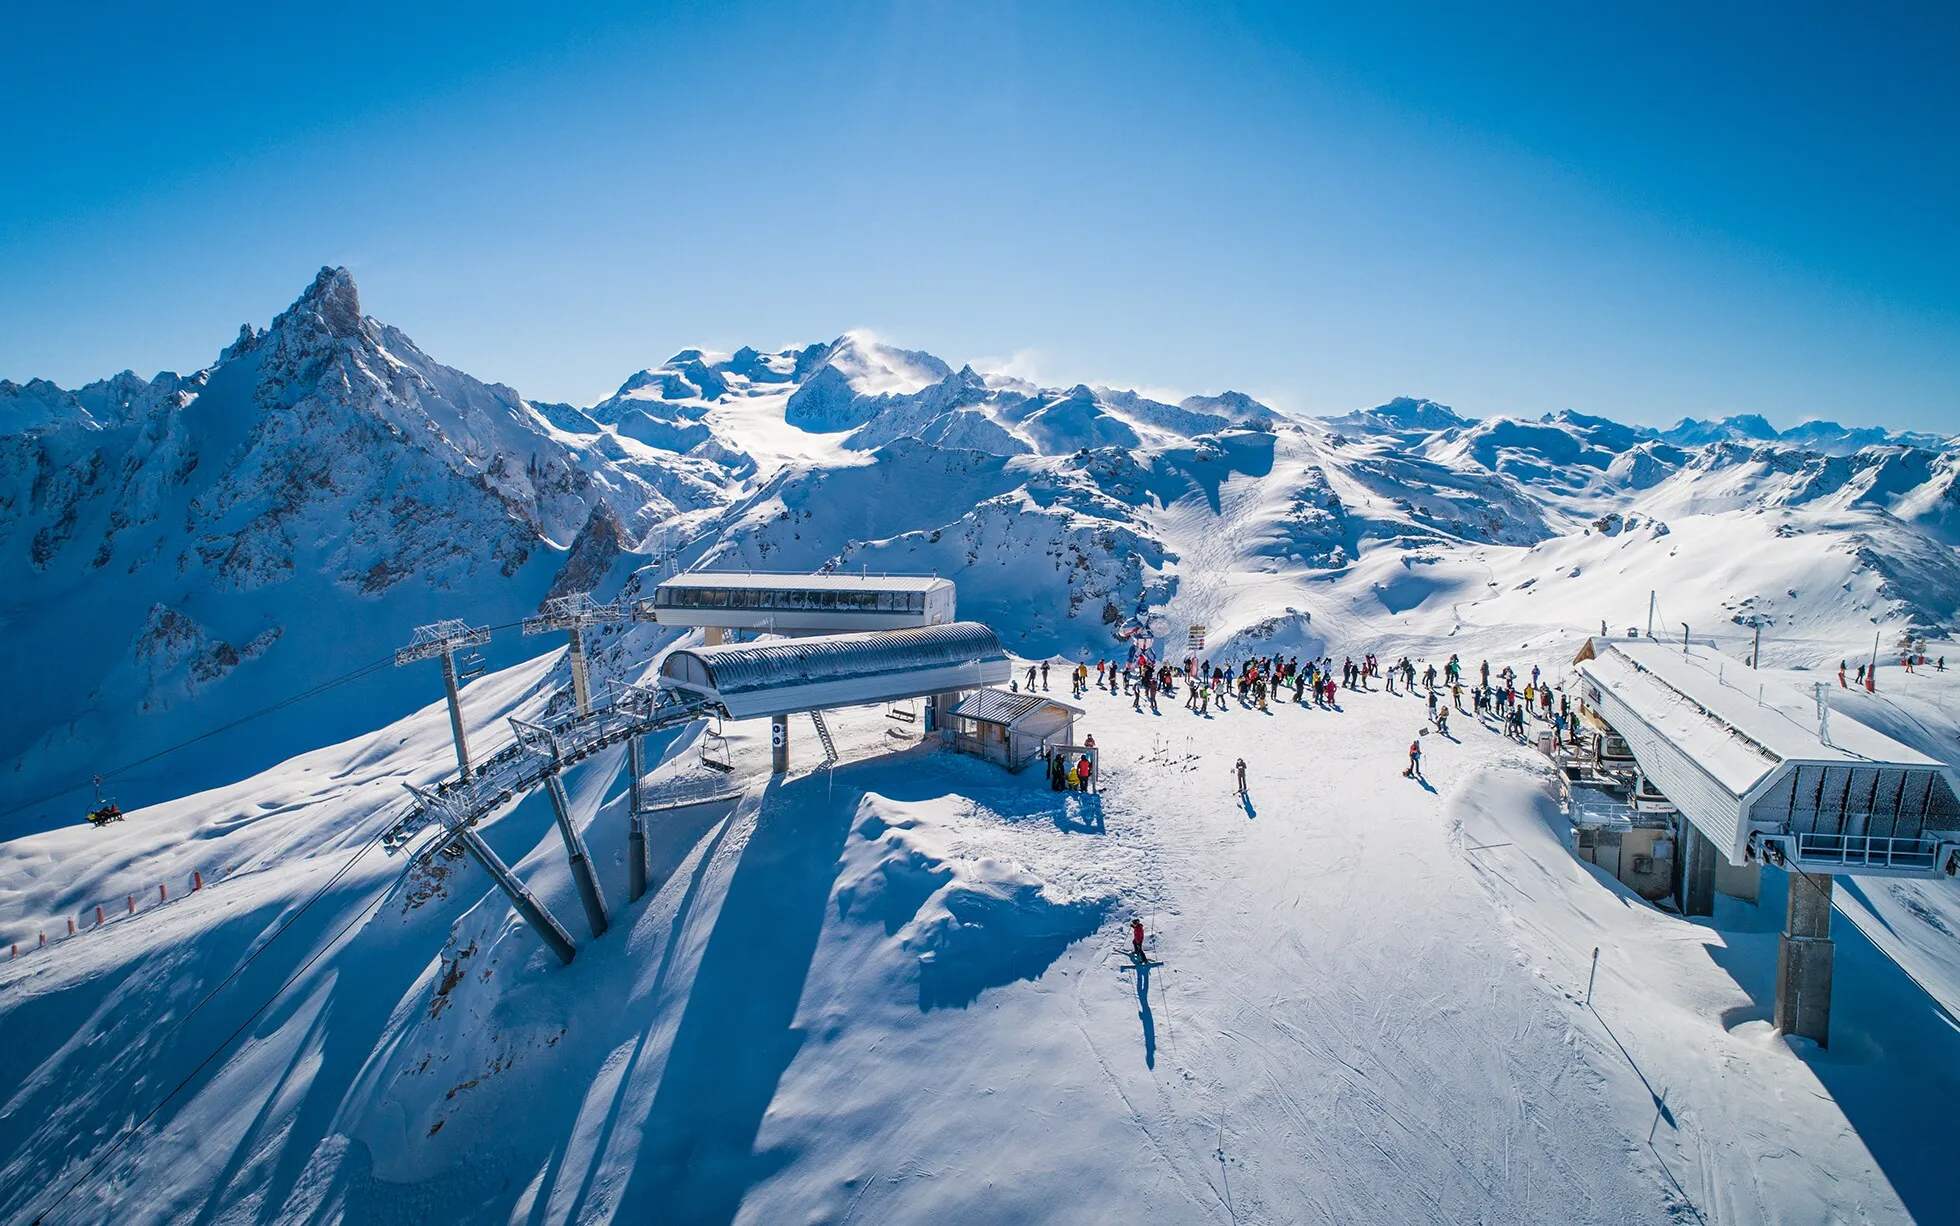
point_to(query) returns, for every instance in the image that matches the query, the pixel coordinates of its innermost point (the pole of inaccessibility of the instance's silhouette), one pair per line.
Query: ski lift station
(906, 647)
(801, 604)
(749, 680)
(1762, 772)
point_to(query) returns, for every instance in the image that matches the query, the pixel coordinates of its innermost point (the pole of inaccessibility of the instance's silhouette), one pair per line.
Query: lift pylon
(526, 904)
(442, 639)
(542, 740)
(573, 614)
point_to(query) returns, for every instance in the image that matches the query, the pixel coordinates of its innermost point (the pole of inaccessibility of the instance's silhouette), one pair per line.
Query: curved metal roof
(839, 669)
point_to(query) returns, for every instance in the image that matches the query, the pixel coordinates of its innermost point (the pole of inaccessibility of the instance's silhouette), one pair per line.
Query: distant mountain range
(177, 551)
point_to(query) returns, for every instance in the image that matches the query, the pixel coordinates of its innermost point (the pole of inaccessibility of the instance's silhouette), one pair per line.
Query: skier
(1443, 721)
(1239, 769)
(1030, 678)
(1415, 759)
(1136, 937)
(1044, 677)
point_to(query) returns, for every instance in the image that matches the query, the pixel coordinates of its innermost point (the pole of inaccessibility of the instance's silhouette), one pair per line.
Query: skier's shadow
(1148, 1019)
(1245, 799)
(1426, 785)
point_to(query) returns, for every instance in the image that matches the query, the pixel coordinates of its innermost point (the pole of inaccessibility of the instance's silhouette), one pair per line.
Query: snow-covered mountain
(881, 991)
(189, 549)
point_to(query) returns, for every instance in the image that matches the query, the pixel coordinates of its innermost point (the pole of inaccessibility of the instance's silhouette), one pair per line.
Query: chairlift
(907, 710)
(471, 665)
(102, 812)
(715, 754)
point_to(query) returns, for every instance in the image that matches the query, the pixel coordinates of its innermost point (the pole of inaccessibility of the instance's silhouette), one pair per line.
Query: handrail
(539, 751)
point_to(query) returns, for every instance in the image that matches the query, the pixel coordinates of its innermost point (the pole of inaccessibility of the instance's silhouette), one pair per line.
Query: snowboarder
(1238, 769)
(1031, 678)
(1415, 759)
(1044, 677)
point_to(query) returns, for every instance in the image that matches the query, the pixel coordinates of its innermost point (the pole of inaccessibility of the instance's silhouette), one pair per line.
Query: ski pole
(1594, 975)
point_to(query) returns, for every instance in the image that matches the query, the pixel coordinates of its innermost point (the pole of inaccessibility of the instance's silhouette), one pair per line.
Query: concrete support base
(582, 874)
(713, 636)
(779, 743)
(1696, 859)
(1743, 882)
(1804, 960)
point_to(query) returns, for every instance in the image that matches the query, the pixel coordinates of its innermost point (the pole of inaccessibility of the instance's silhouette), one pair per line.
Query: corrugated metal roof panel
(998, 706)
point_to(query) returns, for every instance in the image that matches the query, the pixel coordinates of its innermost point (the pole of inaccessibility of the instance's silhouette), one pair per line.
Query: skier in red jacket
(1136, 936)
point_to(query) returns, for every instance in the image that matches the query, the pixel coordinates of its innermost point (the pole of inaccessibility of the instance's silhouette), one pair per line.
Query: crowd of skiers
(1260, 682)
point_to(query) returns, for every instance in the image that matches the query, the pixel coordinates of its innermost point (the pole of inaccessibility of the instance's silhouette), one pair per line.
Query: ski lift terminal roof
(832, 582)
(788, 604)
(839, 670)
(1752, 760)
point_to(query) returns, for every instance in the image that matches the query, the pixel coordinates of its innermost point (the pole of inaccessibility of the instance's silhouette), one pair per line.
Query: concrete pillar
(1743, 882)
(636, 835)
(1695, 860)
(582, 875)
(713, 636)
(779, 743)
(541, 921)
(1804, 961)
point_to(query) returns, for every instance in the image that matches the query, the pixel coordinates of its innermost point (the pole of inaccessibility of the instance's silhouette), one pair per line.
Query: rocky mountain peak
(330, 307)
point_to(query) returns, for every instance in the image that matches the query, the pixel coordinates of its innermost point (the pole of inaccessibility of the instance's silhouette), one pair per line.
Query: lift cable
(359, 916)
(365, 670)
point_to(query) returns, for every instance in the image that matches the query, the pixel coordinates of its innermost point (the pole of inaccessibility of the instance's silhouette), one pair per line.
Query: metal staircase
(823, 734)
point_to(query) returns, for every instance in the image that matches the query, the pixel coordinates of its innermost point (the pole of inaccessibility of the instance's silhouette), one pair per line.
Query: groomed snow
(888, 992)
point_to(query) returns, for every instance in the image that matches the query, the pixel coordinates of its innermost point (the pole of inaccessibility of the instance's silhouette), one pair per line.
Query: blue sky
(1645, 211)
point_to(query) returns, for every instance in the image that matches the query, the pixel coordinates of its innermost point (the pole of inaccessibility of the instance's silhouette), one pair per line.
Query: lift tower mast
(442, 639)
(573, 614)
